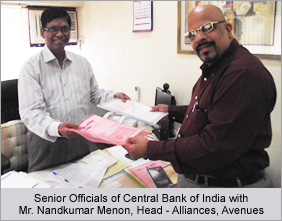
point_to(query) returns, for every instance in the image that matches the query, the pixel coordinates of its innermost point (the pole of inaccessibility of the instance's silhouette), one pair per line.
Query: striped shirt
(50, 95)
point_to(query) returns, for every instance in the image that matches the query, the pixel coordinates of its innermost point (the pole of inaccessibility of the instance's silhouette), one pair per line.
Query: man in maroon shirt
(226, 127)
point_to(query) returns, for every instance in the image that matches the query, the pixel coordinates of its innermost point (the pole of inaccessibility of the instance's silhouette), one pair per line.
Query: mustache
(204, 42)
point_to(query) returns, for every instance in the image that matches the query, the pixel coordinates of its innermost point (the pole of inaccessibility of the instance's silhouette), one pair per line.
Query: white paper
(119, 153)
(79, 174)
(13, 179)
(39, 184)
(134, 110)
(97, 158)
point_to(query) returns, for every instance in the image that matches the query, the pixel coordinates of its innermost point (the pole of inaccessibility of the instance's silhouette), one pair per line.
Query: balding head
(205, 12)
(209, 46)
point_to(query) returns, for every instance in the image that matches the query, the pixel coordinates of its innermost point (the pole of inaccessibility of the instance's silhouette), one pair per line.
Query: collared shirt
(49, 94)
(226, 127)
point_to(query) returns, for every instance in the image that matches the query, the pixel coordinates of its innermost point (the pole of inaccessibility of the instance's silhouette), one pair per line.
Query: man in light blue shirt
(56, 89)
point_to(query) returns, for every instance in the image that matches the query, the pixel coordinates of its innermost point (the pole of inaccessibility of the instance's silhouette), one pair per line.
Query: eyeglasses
(53, 30)
(205, 28)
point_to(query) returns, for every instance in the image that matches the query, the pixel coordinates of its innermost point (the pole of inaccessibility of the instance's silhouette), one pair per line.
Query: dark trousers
(43, 154)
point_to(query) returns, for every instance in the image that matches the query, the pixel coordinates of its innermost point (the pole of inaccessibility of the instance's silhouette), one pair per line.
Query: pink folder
(101, 130)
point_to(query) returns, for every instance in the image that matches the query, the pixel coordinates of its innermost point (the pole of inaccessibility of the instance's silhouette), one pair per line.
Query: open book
(134, 110)
(102, 130)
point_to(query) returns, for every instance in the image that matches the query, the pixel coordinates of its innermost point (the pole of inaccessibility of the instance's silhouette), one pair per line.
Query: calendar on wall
(142, 16)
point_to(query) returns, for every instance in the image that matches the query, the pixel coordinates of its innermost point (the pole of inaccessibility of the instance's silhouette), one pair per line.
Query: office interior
(123, 59)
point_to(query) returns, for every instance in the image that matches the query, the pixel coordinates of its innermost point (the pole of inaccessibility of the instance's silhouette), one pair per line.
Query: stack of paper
(14, 179)
(114, 164)
(118, 167)
(134, 110)
(102, 130)
(87, 172)
(119, 152)
(78, 174)
(97, 158)
(138, 169)
(141, 174)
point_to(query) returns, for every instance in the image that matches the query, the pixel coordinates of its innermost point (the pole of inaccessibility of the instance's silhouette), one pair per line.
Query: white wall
(122, 59)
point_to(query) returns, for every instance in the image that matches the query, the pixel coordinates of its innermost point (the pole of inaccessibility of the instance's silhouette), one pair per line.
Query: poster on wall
(252, 21)
(256, 25)
(142, 16)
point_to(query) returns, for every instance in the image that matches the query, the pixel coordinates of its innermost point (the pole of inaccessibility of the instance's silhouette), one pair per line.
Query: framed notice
(142, 16)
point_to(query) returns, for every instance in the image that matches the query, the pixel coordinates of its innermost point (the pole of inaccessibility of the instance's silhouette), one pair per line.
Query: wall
(15, 44)
(122, 59)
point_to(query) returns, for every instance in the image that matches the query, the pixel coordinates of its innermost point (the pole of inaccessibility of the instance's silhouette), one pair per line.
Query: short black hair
(52, 13)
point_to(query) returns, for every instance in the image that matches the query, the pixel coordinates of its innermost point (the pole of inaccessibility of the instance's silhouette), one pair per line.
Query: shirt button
(205, 79)
(196, 97)
(178, 135)
(187, 116)
(173, 118)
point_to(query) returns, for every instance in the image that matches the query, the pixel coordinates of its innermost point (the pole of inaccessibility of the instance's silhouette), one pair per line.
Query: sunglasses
(205, 28)
(53, 30)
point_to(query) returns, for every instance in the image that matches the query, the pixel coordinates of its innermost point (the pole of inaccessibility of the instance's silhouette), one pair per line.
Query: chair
(5, 163)
(14, 134)
(164, 96)
(14, 139)
(9, 101)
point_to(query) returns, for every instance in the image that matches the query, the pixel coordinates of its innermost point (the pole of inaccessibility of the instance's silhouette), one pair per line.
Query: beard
(207, 52)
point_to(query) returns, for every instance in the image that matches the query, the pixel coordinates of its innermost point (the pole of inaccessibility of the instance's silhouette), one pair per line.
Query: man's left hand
(122, 96)
(137, 147)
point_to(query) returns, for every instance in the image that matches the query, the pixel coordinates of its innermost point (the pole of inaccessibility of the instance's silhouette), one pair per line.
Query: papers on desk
(78, 174)
(134, 110)
(88, 173)
(140, 173)
(15, 179)
(102, 130)
(119, 152)
(99, 158)
(117, 168)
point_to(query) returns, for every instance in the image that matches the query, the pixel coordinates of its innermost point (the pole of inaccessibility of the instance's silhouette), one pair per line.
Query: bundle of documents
(134, 110)
(77, 175)
(120, 153)
(141, 175)
(88, 172)
(101, 130)
(114, 164)
(118, 167)
(14, 179)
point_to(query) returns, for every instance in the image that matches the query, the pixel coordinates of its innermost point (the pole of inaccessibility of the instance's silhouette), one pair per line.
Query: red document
(101, 130)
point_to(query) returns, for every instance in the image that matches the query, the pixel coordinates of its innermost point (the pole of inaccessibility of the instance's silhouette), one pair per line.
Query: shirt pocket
(199, 119)
(83, 91)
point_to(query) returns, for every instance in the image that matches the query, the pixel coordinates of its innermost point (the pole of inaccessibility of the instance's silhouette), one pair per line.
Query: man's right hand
(160, 108)
(68, 134)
